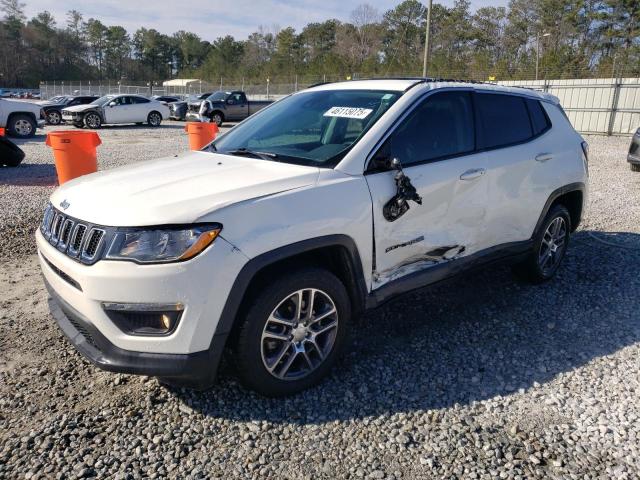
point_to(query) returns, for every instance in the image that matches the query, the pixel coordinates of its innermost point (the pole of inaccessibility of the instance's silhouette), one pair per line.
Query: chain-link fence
(595, 105)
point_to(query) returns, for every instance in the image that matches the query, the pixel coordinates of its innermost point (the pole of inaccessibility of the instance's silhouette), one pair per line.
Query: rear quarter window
(539, 120)
(502, 120)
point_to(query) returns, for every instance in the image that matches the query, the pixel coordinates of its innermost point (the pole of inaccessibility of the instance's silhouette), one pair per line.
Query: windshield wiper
(246, 152)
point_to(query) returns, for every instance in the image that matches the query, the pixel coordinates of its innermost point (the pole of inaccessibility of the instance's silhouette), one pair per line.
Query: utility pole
(538, 50)
(426, 41)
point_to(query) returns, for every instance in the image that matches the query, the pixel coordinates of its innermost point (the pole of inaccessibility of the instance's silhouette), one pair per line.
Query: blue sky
(214, 18)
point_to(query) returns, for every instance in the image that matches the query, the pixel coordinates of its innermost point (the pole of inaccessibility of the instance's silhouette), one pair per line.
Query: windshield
(102, 101)
(311, 128)
(218, 96)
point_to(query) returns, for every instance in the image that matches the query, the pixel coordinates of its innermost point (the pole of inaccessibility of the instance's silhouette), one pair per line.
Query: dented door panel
(449, 224)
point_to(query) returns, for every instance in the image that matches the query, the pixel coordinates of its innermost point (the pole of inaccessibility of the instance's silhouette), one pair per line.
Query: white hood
(81, 108)
(176, 190)
(21, 106)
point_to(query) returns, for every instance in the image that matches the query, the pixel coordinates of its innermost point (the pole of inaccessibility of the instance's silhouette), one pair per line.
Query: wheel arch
(572, 197)
(337, 253)
(28, 114)
(217, 110)
(96, 111)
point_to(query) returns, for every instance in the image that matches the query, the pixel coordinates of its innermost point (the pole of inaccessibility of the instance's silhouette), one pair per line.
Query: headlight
(162, 245)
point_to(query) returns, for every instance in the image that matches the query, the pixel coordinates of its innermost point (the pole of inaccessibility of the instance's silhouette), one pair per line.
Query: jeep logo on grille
(64, 204)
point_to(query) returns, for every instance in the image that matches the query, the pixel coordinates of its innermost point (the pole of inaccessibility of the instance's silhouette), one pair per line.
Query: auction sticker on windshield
(348, 112)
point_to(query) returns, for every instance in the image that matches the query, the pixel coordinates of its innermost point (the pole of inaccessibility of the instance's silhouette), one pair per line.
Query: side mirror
(230, 102)
(112, 104)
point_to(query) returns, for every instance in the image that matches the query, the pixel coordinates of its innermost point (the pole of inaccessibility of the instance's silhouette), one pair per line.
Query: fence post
(614, 105)
(220, 83)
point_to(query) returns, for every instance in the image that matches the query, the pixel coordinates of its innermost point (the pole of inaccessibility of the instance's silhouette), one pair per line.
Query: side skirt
(510, 252)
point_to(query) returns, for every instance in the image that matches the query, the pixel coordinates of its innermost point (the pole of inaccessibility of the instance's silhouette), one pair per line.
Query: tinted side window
(139, 100)
(539, 118)
(441, 126)
(503, 120)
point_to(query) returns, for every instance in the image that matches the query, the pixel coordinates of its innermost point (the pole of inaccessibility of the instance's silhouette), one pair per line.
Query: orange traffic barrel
(74, 153)
(200, 134)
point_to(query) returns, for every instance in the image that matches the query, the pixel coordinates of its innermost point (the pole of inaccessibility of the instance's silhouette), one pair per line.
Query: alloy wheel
(154, 119)
(299, 334)
(552, 246)
(23, 128)
(217, 119)
(53, 118)
(93, 121)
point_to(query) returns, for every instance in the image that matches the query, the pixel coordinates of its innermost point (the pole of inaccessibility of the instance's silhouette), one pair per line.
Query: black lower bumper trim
(193, 370)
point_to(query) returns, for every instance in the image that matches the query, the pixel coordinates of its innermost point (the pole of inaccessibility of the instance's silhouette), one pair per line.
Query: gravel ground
(483, 377)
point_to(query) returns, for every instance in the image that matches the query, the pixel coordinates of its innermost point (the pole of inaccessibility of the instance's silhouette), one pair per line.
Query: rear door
(512, 131)
(140, 109)
(435, 143)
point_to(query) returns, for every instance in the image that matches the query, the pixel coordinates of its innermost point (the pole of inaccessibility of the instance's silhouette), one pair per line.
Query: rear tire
(283, 346)
(92, 120)
(154, 119)
(635, 167)
(549, 246)
(21, 126)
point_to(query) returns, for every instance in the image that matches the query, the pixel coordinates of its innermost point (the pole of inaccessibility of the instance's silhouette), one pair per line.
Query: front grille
(93, 242)
(79, 240)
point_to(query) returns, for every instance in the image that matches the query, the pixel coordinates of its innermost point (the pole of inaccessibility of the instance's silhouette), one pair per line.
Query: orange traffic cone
(74, 153)
(200, 134)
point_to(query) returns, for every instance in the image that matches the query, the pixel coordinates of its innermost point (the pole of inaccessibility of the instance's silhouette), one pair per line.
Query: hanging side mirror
(398, 205)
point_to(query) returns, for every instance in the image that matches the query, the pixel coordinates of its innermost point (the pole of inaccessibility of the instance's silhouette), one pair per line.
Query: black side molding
(446, 270)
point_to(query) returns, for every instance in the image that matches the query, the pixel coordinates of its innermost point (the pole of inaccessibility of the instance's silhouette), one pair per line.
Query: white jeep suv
(269, 241)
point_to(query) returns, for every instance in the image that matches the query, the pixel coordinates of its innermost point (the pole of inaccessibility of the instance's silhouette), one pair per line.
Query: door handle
(543, 157)
(473, 174)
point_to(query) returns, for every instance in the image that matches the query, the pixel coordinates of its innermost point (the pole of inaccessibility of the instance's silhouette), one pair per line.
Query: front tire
(549, 246)
(154, 119)
(54, 117)
(22, 126)
(635, 167)
(293, 332)
(217, 118)
(92, 120)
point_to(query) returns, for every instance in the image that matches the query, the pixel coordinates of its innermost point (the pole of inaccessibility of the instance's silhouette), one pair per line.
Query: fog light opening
(145, 319)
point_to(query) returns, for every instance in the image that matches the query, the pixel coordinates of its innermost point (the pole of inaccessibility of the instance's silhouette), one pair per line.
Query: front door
(435, 144)
(237, 106)
(121, 112)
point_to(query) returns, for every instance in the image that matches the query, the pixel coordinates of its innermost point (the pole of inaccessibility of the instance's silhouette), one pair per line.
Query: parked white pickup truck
(21, 119)
(331, 201)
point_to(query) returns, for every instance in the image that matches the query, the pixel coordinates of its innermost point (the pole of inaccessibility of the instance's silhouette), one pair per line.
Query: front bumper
(194, 370)
(635, 159)
(193, 117)
(201, 284)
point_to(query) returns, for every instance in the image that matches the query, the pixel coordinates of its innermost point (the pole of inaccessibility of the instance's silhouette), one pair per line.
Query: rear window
(539, 118)
(502, 119)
